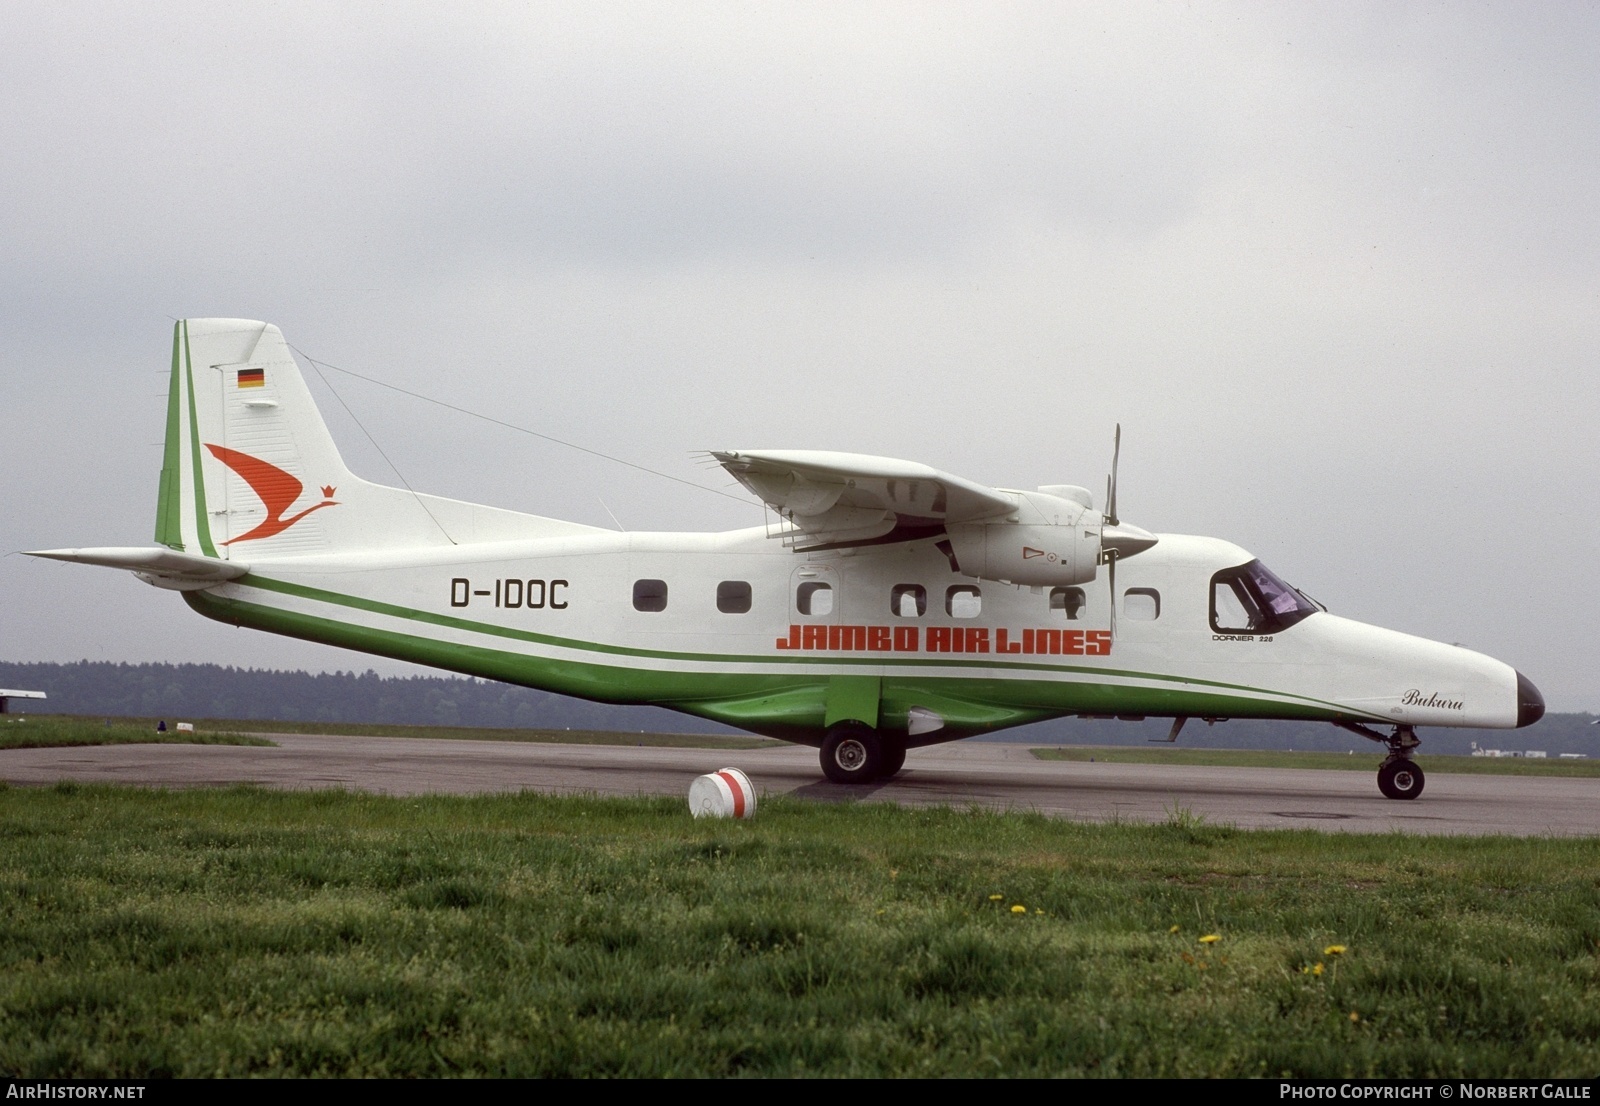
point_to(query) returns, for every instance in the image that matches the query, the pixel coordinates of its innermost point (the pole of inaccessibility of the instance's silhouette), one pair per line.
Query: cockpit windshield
(1251, 600)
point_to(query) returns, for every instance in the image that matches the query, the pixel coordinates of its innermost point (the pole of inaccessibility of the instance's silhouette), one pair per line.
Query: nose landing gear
(1399, 776)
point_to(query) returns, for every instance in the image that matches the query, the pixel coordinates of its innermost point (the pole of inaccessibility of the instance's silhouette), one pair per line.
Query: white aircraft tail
(250, 471)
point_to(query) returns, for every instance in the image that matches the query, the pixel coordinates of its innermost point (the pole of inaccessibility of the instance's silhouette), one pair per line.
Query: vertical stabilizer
(248, 460)
(250, 471)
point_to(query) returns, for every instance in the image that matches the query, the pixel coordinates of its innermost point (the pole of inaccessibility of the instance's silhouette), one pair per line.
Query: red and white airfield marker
(725, 793)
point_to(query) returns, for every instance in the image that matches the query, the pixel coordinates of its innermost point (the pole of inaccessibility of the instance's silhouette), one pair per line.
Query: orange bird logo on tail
(277, 489)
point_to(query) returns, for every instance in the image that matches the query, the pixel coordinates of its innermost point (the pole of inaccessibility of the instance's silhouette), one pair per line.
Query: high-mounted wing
(833, 499)
(1052, 536)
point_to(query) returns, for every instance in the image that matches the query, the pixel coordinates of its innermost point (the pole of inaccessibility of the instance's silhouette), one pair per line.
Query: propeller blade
(1111, 485)
(1111, 579)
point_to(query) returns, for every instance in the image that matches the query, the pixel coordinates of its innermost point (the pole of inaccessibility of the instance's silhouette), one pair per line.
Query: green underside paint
(797, 707)
(853, 699)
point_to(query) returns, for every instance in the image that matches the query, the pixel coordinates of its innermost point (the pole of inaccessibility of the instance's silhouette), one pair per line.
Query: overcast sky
(1334, 267)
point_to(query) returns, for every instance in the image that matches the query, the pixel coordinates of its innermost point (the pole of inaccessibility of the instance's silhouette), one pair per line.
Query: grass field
(217, 727)
(244, 932)
(41, 731)
(1357, 762)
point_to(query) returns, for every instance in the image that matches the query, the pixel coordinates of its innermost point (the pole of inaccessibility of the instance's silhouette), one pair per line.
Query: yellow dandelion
(1354, 1017)
(1317, 968)
(1038, 910)
(1304, 970)
(1333, 950)
(1211, 938)
(996, 898)
(1019, 909)
(1174, 929)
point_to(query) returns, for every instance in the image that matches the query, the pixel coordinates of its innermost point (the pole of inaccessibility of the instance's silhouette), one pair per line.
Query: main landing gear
(1399, 777)
(854, 752)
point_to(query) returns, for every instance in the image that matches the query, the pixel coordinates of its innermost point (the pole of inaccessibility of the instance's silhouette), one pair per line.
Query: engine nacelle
(1048, 542)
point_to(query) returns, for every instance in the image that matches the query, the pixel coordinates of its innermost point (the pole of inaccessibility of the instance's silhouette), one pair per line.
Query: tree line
(176, 691)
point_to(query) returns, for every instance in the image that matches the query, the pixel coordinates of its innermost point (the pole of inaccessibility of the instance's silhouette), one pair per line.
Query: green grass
(41, 731)
(1357, 762)
(248, 932)
(451, 733)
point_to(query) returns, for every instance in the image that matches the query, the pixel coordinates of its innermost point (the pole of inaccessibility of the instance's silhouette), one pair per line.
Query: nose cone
(1530, 704)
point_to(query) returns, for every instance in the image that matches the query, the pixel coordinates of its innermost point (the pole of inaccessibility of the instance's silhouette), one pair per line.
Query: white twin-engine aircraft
(894, 605)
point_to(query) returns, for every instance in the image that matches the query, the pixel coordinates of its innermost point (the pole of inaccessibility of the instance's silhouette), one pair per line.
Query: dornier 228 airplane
(894, 606)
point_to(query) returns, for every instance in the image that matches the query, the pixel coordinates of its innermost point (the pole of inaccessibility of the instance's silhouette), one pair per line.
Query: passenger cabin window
(1141, 604)
(1250, 599)
(963, 601)
(649, 595)
(1069, 601)
(908, 600)
(733, 597)
(814, 599)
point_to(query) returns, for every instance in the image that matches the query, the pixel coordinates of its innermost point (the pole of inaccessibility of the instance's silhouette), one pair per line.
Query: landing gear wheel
(1400, 778)
(852, 753)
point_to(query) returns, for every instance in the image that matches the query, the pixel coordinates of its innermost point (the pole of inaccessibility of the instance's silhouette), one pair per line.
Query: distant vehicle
(893, 606)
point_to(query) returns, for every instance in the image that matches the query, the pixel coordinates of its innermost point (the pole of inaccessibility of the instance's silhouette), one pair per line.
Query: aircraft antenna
(510, 426)
(420, 501)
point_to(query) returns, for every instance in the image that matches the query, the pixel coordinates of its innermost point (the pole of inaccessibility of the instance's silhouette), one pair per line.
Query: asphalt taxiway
(992, 775)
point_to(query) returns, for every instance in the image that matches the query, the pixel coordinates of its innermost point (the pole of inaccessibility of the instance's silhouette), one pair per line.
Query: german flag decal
(252, 378)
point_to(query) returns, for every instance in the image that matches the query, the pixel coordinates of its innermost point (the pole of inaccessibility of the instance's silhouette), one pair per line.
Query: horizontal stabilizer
(165, 568)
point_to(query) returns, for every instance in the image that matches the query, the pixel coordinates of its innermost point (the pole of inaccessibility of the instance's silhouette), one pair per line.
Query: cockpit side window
(1250, 599)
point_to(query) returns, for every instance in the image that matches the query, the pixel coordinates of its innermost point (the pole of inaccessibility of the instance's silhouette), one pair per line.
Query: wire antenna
(420, 502)
(320, 365)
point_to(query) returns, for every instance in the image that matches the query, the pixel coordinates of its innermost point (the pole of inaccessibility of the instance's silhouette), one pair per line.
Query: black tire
(894, 759)
(852, 753)
(1400, 779)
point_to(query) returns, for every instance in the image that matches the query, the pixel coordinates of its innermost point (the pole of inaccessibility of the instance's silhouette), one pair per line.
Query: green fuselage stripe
(788, 705)
(1197, 686)
(169, 525)
(202, 522)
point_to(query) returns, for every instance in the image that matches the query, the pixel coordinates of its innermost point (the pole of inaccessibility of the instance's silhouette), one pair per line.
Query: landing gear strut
(1399, 777)
(854, 752)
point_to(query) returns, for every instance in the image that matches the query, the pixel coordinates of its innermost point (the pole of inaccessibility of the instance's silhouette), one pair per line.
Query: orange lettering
(847, 638)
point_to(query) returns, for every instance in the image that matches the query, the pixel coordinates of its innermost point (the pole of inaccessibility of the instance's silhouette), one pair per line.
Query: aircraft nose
(1530, 704)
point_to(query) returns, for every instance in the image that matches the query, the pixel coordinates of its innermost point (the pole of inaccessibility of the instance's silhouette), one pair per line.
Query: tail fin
(250, 470)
